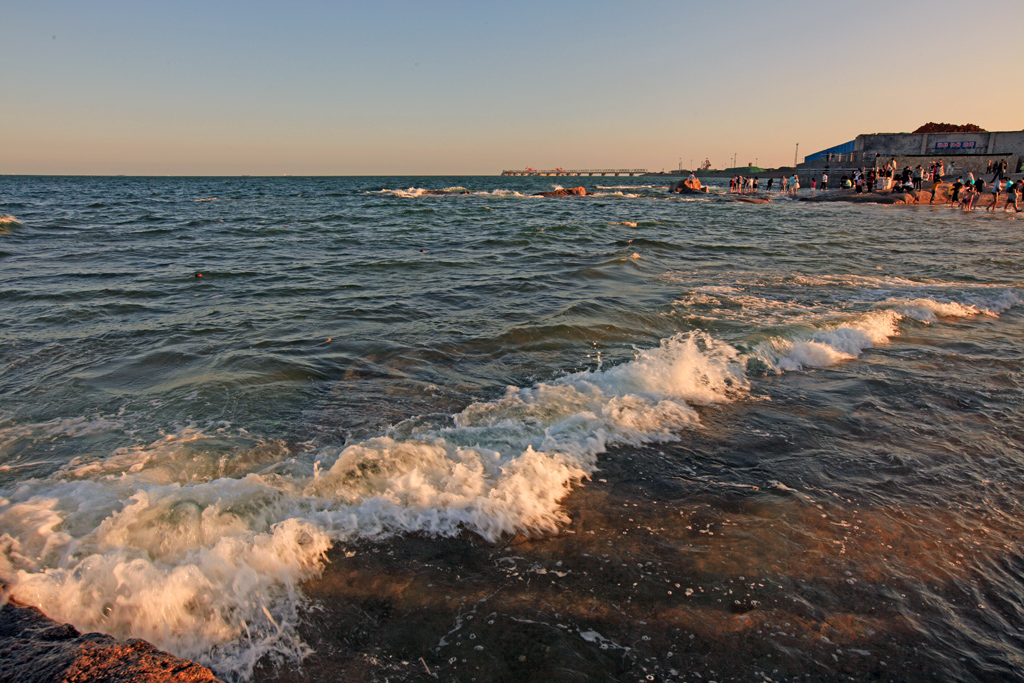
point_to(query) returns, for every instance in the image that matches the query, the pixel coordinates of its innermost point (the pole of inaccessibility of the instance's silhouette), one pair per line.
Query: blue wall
(844, 148)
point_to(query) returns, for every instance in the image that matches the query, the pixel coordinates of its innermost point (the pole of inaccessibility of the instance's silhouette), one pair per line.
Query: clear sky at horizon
(394, 88)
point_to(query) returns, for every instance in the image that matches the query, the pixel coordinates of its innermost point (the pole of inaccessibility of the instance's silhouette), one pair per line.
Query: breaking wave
(209, 567)
(204, 556)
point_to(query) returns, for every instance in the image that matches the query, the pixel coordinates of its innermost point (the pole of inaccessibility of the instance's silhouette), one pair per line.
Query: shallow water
(482, 435)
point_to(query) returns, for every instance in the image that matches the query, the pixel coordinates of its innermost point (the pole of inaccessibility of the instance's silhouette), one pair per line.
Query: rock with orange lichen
(688, 186)
(36, 649)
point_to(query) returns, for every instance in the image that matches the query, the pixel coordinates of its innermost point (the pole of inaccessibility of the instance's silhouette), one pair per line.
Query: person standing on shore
(794, 185)
(771, 181)
(824, 181)
(996, 185)
(954, 196)
(970, 195)
(936, 180)
(1013, 195)
(814, 185)
(918, 176)
(1000, 170)
(785, 185)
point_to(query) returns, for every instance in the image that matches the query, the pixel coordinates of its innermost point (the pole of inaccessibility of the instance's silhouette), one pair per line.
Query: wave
(631, 187)
(203, 554)
(7, 223)
(410, 193)
(209, 567)
(840, 341)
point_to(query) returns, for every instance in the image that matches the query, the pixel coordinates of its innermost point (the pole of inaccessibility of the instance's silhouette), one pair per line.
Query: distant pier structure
(579, 172)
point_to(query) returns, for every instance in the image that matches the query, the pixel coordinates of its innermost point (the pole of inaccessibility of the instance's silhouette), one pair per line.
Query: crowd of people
(889, 178)
(749, 184)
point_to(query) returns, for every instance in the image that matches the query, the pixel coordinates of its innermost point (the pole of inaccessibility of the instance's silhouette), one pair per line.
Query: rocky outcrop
(570, 192)
(36, 649)
(868, 197)
(688, 186)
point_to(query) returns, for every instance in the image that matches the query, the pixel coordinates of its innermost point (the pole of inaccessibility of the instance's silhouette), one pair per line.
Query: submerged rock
(36, 649)
(570, 192)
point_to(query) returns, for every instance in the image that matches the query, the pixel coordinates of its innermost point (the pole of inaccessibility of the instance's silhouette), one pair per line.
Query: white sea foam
(203, 553)
(410, 193)
(205, 560)
(631, 187)
(834, 342)
(929, 310)
(500, 193)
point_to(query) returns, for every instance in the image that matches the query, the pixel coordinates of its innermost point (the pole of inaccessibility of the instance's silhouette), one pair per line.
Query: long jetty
(579, 171)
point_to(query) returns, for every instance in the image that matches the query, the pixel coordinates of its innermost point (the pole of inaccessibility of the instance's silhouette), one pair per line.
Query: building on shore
(968, 151)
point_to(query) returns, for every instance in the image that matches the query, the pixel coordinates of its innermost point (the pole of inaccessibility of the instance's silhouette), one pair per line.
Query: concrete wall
(942, 144)
(970, 152)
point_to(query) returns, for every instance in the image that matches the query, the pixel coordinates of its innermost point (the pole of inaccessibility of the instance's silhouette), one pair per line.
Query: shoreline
(35, 648)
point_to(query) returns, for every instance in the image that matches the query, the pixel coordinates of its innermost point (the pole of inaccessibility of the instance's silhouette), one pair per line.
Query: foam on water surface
(206, 563)
(203, 556)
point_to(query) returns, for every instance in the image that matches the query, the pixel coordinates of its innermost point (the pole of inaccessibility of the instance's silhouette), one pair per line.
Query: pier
(579, 172)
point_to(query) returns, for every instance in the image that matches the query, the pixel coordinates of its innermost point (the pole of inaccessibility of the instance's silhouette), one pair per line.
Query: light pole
(795, 154)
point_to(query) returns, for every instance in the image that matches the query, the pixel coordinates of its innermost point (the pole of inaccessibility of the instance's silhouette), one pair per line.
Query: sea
(439, 428)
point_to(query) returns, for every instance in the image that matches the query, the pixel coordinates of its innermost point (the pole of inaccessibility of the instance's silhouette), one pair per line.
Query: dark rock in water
(36, 649)
(571, 192)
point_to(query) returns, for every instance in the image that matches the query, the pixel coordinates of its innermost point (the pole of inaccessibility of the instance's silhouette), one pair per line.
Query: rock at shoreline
(913, 197)
(36, 649)
(571, 192)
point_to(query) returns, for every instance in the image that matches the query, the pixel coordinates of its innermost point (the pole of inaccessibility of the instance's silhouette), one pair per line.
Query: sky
(225, 87)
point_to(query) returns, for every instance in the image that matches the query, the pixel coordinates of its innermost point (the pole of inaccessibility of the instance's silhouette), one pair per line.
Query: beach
(440, 428)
